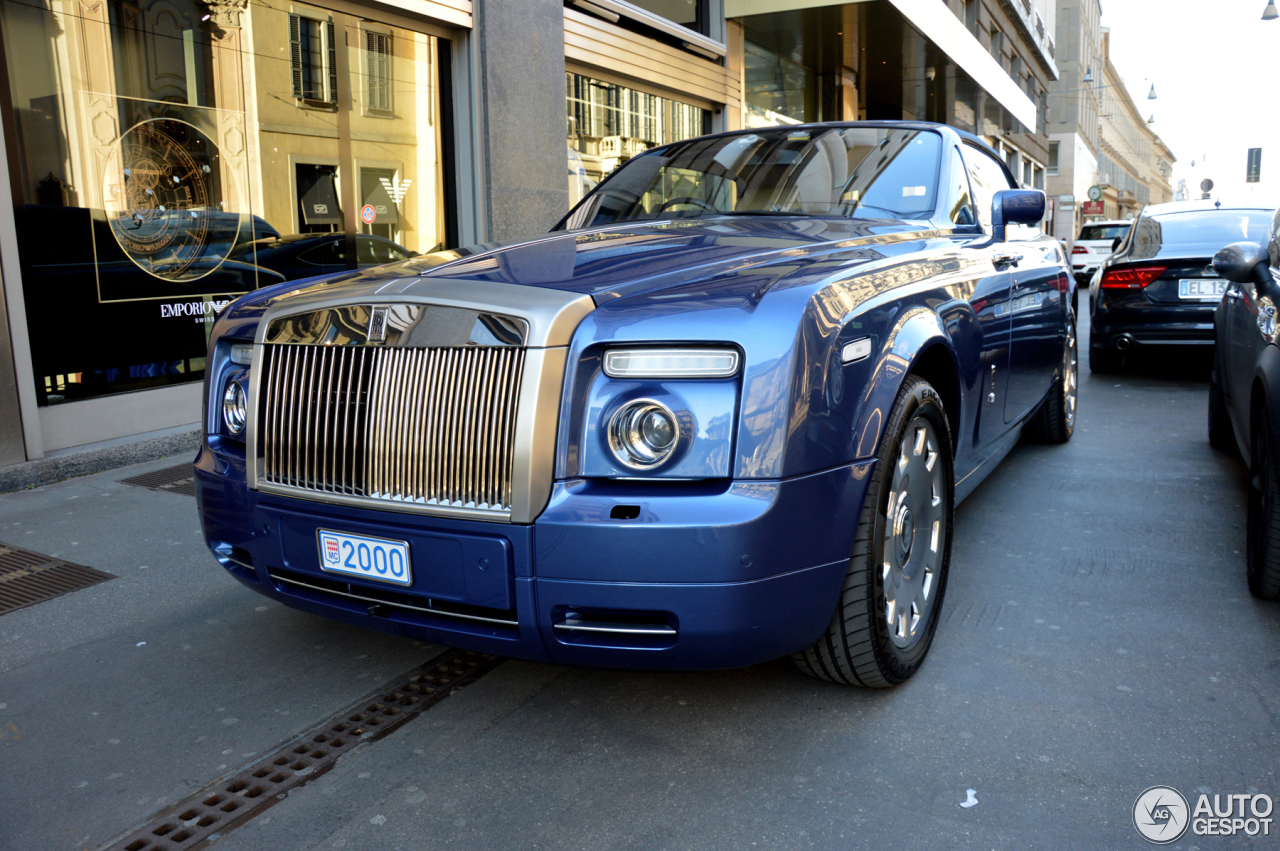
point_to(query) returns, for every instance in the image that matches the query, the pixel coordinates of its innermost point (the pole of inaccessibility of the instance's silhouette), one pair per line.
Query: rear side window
(1103, 231)
(1206, 229)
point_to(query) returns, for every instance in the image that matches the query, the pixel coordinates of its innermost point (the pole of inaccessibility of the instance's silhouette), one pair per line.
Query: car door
(1037, 335)
(993, 288)
(1245, 341)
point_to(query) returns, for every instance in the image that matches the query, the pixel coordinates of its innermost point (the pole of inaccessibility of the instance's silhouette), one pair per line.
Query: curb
(46, 471)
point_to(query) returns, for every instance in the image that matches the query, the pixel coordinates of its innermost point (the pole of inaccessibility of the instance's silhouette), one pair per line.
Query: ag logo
(1161, 815)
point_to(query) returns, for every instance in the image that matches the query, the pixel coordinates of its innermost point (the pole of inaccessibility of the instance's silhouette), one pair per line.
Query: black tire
(1220, 434)
(867, 644)
(1262, 549)
(1102, 362)
(1055, 422)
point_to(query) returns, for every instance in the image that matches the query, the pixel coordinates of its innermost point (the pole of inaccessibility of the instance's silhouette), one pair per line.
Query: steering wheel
(685, 199)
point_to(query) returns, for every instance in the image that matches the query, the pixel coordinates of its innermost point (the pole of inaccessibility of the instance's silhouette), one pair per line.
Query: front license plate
(368, 558)
(1202, 288)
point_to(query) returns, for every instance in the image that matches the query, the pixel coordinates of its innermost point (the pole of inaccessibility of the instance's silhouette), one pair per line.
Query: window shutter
(295, 53)
(331, 36)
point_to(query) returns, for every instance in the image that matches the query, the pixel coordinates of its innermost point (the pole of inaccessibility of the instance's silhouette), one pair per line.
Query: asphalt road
(1097, 639)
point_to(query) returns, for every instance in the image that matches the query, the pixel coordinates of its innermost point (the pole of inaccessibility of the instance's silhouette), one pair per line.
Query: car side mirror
(1243, 262)
(1016, 207)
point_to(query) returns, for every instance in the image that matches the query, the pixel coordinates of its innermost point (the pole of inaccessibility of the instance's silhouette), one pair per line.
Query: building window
(377, 70)
(1053, 158)
(688, 13)
(314, 58)
(971, 16)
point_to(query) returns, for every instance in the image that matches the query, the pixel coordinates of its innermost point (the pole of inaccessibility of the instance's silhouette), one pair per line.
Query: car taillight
(1062, 282)
(1133, 278)
(1079, 249)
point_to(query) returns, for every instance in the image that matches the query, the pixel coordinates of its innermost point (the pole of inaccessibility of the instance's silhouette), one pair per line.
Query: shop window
(314, 57)
(318, 209)
(185, 158)
(377, 53)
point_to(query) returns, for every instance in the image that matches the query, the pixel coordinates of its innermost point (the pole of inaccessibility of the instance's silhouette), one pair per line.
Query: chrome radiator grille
(431, 426)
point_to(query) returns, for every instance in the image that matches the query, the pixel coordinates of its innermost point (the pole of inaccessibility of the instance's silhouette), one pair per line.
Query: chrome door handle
(1233, 294)
(1003, 259)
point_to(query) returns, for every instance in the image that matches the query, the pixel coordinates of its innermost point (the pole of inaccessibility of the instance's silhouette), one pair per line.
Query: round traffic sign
(1206, 185)
(368, 214)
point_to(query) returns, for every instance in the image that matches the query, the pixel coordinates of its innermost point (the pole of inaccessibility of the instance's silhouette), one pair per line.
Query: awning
(320, 202)
(380, 201)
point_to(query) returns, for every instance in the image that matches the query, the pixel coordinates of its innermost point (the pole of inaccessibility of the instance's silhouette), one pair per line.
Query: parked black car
(1244, 394)
(1158, 287)
(305, 255)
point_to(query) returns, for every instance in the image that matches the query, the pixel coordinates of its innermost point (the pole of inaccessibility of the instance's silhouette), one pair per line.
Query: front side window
(987, 177)
(958, 202)
(857, 172)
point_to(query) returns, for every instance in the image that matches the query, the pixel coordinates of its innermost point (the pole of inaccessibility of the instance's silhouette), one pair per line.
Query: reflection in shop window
(315, 71)
(377, 54)
(608, 124)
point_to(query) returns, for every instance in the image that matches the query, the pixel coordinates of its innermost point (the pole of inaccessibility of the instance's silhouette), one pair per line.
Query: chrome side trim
(430, 611)
(534, 447)
(575, 625)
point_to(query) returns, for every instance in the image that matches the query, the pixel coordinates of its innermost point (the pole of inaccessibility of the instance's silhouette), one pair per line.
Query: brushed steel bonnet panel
(449, 337)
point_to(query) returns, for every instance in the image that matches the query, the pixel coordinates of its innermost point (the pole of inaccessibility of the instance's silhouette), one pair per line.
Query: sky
(1213, 66)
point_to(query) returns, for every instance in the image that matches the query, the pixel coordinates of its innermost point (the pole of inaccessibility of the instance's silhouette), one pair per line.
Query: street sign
(1253, 172)
(1092, 208)
(1095, 193)
(1206, 185)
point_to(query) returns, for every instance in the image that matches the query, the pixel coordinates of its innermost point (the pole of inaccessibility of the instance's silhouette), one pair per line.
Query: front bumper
(687, 576)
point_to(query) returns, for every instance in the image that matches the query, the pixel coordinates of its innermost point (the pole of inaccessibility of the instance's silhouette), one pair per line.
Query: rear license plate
(365, 557)
(1202, 288)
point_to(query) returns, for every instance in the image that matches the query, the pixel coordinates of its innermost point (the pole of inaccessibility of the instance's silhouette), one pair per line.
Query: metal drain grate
(179, 479)
(27, 578)
(233, 801)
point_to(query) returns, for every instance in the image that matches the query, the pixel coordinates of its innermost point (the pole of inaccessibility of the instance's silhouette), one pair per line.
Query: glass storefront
(172, 154)
(608, 124)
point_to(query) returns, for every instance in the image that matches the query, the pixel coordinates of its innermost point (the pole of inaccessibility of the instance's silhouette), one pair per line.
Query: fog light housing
(643, 434)
(233, 408)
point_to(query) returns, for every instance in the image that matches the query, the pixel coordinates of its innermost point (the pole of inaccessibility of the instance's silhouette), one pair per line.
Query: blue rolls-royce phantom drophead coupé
(722, 413)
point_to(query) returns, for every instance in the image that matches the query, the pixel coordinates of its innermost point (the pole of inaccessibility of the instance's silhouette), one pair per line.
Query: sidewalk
(122, 697)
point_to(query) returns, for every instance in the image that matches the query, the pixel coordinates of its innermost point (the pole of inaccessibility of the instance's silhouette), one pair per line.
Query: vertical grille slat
(429, 426)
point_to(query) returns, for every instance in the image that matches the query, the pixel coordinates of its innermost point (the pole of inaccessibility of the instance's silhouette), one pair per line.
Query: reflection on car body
(721, 414)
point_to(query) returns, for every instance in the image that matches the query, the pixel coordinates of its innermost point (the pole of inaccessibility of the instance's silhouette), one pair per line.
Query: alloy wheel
(914, 534)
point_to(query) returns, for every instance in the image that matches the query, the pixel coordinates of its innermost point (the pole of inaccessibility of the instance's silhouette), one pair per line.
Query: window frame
(370, 31)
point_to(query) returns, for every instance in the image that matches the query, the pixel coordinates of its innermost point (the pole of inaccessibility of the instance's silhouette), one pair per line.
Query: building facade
(164, 156)
(1098, 137)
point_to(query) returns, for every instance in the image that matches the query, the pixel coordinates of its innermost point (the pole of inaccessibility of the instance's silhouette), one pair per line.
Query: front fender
(916, 335)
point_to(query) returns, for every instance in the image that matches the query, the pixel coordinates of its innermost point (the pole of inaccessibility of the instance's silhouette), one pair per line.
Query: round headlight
(643, 433)
(233, 408)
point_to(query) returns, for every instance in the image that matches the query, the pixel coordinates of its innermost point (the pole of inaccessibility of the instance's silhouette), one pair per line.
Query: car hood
(611, 262)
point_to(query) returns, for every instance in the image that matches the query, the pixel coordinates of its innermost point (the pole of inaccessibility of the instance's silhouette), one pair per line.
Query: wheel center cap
(903, 533)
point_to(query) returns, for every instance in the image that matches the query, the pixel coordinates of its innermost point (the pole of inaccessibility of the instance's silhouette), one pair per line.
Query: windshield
(857, 172)
(1103, 231)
